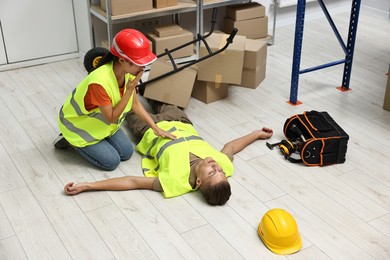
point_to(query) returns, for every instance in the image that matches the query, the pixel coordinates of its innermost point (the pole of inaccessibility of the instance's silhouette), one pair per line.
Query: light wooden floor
(343, 211)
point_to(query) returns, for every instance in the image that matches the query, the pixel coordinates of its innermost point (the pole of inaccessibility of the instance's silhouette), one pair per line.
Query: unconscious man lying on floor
(177, 166)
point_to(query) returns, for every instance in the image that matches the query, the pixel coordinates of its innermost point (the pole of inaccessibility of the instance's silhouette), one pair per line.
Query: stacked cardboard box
(163, 3)
(249, 19)
(208, 92)
(169, 37)
(243, 63)
(119, 7)
(216, 73)
(255, 60)
(175, 89)
(226, 67)
(386, 102)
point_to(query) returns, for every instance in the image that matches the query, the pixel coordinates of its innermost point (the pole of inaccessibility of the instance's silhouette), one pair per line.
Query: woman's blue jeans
(108, 153)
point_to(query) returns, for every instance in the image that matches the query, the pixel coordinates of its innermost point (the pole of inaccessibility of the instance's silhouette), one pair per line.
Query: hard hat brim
(295, 247)
(144, 61)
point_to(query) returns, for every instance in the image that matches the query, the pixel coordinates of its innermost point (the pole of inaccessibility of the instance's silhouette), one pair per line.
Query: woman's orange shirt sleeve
(95, 97)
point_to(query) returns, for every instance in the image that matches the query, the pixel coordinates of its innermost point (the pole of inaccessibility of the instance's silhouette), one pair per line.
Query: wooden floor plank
(33, 229)
(63, 213)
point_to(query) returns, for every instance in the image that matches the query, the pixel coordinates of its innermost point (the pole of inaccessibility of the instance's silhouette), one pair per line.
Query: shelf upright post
(300, 19)
(199, 24)
(275, 5)
(353, 22)
(348, 49)
(109, 22)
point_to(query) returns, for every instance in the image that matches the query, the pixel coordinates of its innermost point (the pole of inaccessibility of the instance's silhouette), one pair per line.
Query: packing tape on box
(218, 80)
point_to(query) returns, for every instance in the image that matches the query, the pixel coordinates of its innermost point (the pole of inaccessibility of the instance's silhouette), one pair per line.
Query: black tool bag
(318, 138)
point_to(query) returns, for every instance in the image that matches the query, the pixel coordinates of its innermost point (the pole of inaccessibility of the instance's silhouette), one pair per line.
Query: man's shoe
(61, 143)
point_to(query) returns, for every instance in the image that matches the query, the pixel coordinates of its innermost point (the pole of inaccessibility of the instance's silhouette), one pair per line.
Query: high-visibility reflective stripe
(145, 170)
(100, 117)
(165, 146)
(80, 132)
(176, 141)
(155, 141)
(153, 144)
(76, 107)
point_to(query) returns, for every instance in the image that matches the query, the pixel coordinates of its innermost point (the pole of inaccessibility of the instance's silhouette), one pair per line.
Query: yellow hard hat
(279, 232)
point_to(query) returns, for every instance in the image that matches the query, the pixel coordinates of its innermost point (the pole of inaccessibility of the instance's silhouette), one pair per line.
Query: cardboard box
(255, 54)
(164, 3)
(386, 103)
(225, 67)
(175, 89)
(119, 7)
(169, 42)
(208, 92)
(252, 78)
(253, 28)
(167, 30)
(245, 11)
(255, 62)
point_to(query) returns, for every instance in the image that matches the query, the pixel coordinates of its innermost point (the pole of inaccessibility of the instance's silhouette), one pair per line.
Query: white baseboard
(29, 63)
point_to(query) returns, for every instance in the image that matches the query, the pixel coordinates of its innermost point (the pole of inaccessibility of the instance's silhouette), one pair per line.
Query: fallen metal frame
(201, 39)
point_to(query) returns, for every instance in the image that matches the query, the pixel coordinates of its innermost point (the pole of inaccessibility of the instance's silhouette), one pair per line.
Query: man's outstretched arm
(114, 184)
(236, 145)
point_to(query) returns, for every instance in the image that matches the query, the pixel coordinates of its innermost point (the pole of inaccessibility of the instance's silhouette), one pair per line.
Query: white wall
(50, 36)
(83, 25)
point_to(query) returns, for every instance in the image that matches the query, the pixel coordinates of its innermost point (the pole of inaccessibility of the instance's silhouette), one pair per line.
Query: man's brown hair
(217, 194)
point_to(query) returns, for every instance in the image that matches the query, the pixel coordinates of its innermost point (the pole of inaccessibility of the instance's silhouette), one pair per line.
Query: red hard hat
(133, 46)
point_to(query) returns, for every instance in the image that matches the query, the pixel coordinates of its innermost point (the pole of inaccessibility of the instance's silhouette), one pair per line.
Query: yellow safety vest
(81, 127)
(169, 159)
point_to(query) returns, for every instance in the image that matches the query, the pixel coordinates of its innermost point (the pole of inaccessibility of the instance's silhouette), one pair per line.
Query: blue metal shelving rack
(348, 48)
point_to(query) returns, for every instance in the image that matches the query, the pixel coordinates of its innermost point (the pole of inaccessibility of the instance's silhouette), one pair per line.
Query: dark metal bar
(204, 43)
(332, 24)
(229, 40)
(213, 21)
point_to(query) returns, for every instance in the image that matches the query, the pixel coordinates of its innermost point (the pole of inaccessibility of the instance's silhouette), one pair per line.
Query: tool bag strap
(323, 151)
(312, 124)
(292, 159)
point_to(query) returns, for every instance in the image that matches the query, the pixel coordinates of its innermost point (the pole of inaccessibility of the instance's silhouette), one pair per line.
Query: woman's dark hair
(106, 59)
(217, 194)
